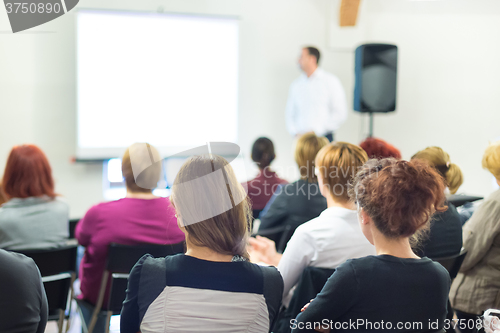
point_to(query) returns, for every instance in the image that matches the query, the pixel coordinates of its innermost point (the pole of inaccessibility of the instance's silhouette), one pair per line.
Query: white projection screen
(167, 79)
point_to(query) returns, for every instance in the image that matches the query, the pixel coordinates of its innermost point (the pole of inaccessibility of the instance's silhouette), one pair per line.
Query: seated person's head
(396, 199)
(491, 160)
(377, 148)
(212, 206)
(263, 152)
(140, 172)
(336, 164)
(440, 160)
(308, 146)
(27, 174)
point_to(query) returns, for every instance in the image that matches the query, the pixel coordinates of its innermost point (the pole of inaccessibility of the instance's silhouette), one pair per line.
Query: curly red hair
(27, 173)
(399, 196)
(377, 148)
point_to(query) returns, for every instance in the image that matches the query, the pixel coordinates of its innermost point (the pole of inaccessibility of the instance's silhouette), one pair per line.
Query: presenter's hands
(262, 249)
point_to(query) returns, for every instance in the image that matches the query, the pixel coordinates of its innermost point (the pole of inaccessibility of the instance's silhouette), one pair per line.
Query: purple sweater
(126, 221)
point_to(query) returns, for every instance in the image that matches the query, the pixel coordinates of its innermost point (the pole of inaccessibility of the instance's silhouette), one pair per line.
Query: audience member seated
(335, 235)
(477, 287)
(445, 235)
(213, 287)
(396, 287)
(261, 188)
(23, 304)
(140, 217)
(378, 148)
(300, 201)
(33, 216)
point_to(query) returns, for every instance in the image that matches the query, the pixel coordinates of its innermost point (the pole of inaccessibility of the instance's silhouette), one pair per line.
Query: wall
(447, 79)
(37, 81)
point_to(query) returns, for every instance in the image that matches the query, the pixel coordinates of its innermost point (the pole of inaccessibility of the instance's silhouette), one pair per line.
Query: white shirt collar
(337, 212)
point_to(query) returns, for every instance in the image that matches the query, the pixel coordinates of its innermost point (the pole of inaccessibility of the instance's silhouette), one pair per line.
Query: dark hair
(399, 196)
(27, 173)
(263, 152)
(314, 52)
(377, 148)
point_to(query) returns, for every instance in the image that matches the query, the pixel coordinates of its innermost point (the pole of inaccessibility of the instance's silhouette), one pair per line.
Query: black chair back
(310, 284)
(121, 258)
(54, 261)
(72, 227)
(57, 267)
(453, 263)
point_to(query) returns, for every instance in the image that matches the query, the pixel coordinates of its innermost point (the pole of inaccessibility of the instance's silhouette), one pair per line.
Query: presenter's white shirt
(316, 103)
(326, 242)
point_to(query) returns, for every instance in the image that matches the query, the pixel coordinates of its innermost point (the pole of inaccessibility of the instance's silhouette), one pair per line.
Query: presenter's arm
(291, 113)
(338, 103)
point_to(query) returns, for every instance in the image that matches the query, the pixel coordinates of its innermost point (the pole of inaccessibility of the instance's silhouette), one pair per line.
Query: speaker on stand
(376, 79)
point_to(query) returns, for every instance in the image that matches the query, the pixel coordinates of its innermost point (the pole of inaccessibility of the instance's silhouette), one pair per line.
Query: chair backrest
(310, 284)
(57, 267)
(57, 289)
(53, 261)
(121, 258)
(72, 227)
(453, 263)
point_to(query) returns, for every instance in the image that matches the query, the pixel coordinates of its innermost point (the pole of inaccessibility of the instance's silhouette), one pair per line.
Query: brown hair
(148, 173)
(440, 160)
(491, 159)
(27, 174)
(399, 196)
(212, 205)
(306, 150)
(338, 163)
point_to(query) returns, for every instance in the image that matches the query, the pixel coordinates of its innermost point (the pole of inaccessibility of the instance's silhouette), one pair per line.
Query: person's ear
(365, 219)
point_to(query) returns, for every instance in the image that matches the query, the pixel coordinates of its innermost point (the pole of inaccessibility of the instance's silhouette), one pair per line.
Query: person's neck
(140, 195)
(310, 71)
(265, 170)
(399, 247)
(331, 202)
(205, 253)
(498, 182)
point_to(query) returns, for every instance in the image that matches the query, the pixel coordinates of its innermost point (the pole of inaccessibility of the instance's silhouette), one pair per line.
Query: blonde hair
(338, 163)
(491, 159)
(306, 150)
(145, 163)
(212, 205)
(440, 160)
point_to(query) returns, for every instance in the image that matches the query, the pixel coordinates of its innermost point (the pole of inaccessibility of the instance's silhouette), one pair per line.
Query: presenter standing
(316, 100)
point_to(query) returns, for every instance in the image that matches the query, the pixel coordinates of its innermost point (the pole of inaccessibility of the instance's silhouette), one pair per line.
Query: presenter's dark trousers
(329, 136)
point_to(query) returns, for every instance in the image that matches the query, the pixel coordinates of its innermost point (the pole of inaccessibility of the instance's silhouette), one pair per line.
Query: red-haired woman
(394, 290)
(378, 148)
(33, 217)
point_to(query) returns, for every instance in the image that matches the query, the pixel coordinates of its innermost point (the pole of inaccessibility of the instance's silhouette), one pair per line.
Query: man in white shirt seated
(333, 237)
(316, 100)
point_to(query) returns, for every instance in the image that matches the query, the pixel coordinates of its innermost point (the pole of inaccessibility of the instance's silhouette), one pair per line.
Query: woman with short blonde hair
(477, 287)
(295, 203)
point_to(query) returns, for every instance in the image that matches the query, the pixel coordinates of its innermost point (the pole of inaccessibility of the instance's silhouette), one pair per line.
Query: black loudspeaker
(376, 68)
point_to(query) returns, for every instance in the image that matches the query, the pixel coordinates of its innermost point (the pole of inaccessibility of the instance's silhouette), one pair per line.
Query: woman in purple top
(262, 187)
(140, 217)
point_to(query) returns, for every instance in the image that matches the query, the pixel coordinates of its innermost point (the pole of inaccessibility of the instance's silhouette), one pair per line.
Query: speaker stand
(370, 133)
